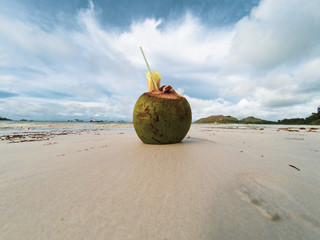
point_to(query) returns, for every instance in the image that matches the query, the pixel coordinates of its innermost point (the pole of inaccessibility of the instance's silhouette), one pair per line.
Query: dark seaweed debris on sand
(39, 136)
(294, 167)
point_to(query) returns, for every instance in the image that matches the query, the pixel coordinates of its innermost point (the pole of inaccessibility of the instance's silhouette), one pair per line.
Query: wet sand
(221, 182)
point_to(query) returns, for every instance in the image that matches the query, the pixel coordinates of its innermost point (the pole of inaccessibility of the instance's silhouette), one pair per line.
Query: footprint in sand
(104, 146)
(260, 197)
(264, 208)
(275, 202)
(80, 150)
(91, 148)
(50, 143)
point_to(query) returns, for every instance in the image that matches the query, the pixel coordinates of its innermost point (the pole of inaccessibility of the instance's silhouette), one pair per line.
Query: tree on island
(314, 119)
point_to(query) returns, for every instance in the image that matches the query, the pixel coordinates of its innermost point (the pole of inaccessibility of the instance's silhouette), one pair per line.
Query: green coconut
(161, 117)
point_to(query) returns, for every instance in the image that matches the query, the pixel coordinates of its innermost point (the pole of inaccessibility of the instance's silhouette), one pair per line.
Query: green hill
(253, 120)
(313, 119)
(218, 119)
(230, 119)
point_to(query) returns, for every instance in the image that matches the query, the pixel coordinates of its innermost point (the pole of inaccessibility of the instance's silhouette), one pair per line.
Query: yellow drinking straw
(154, 82)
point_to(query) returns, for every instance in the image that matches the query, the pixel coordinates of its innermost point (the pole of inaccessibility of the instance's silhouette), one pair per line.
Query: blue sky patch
(5, 94)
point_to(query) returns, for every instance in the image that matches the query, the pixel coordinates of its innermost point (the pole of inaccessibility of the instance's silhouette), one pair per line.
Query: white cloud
(60, 109)
(278, 32)
(188, 46)
(266, 65)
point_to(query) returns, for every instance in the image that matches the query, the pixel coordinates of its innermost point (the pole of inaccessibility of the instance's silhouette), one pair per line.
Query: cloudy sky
(63, 60)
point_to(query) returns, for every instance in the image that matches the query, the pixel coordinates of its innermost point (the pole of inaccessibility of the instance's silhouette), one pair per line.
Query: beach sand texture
(219, 183)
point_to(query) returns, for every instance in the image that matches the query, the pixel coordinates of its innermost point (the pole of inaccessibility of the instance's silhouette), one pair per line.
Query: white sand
(217, 184)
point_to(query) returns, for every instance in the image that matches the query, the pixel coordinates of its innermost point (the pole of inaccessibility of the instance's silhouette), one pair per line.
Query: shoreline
(18, 128)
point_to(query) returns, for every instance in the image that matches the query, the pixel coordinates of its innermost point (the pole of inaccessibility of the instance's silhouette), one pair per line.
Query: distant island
(313, 119)
(4, 119)
(230, 119)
